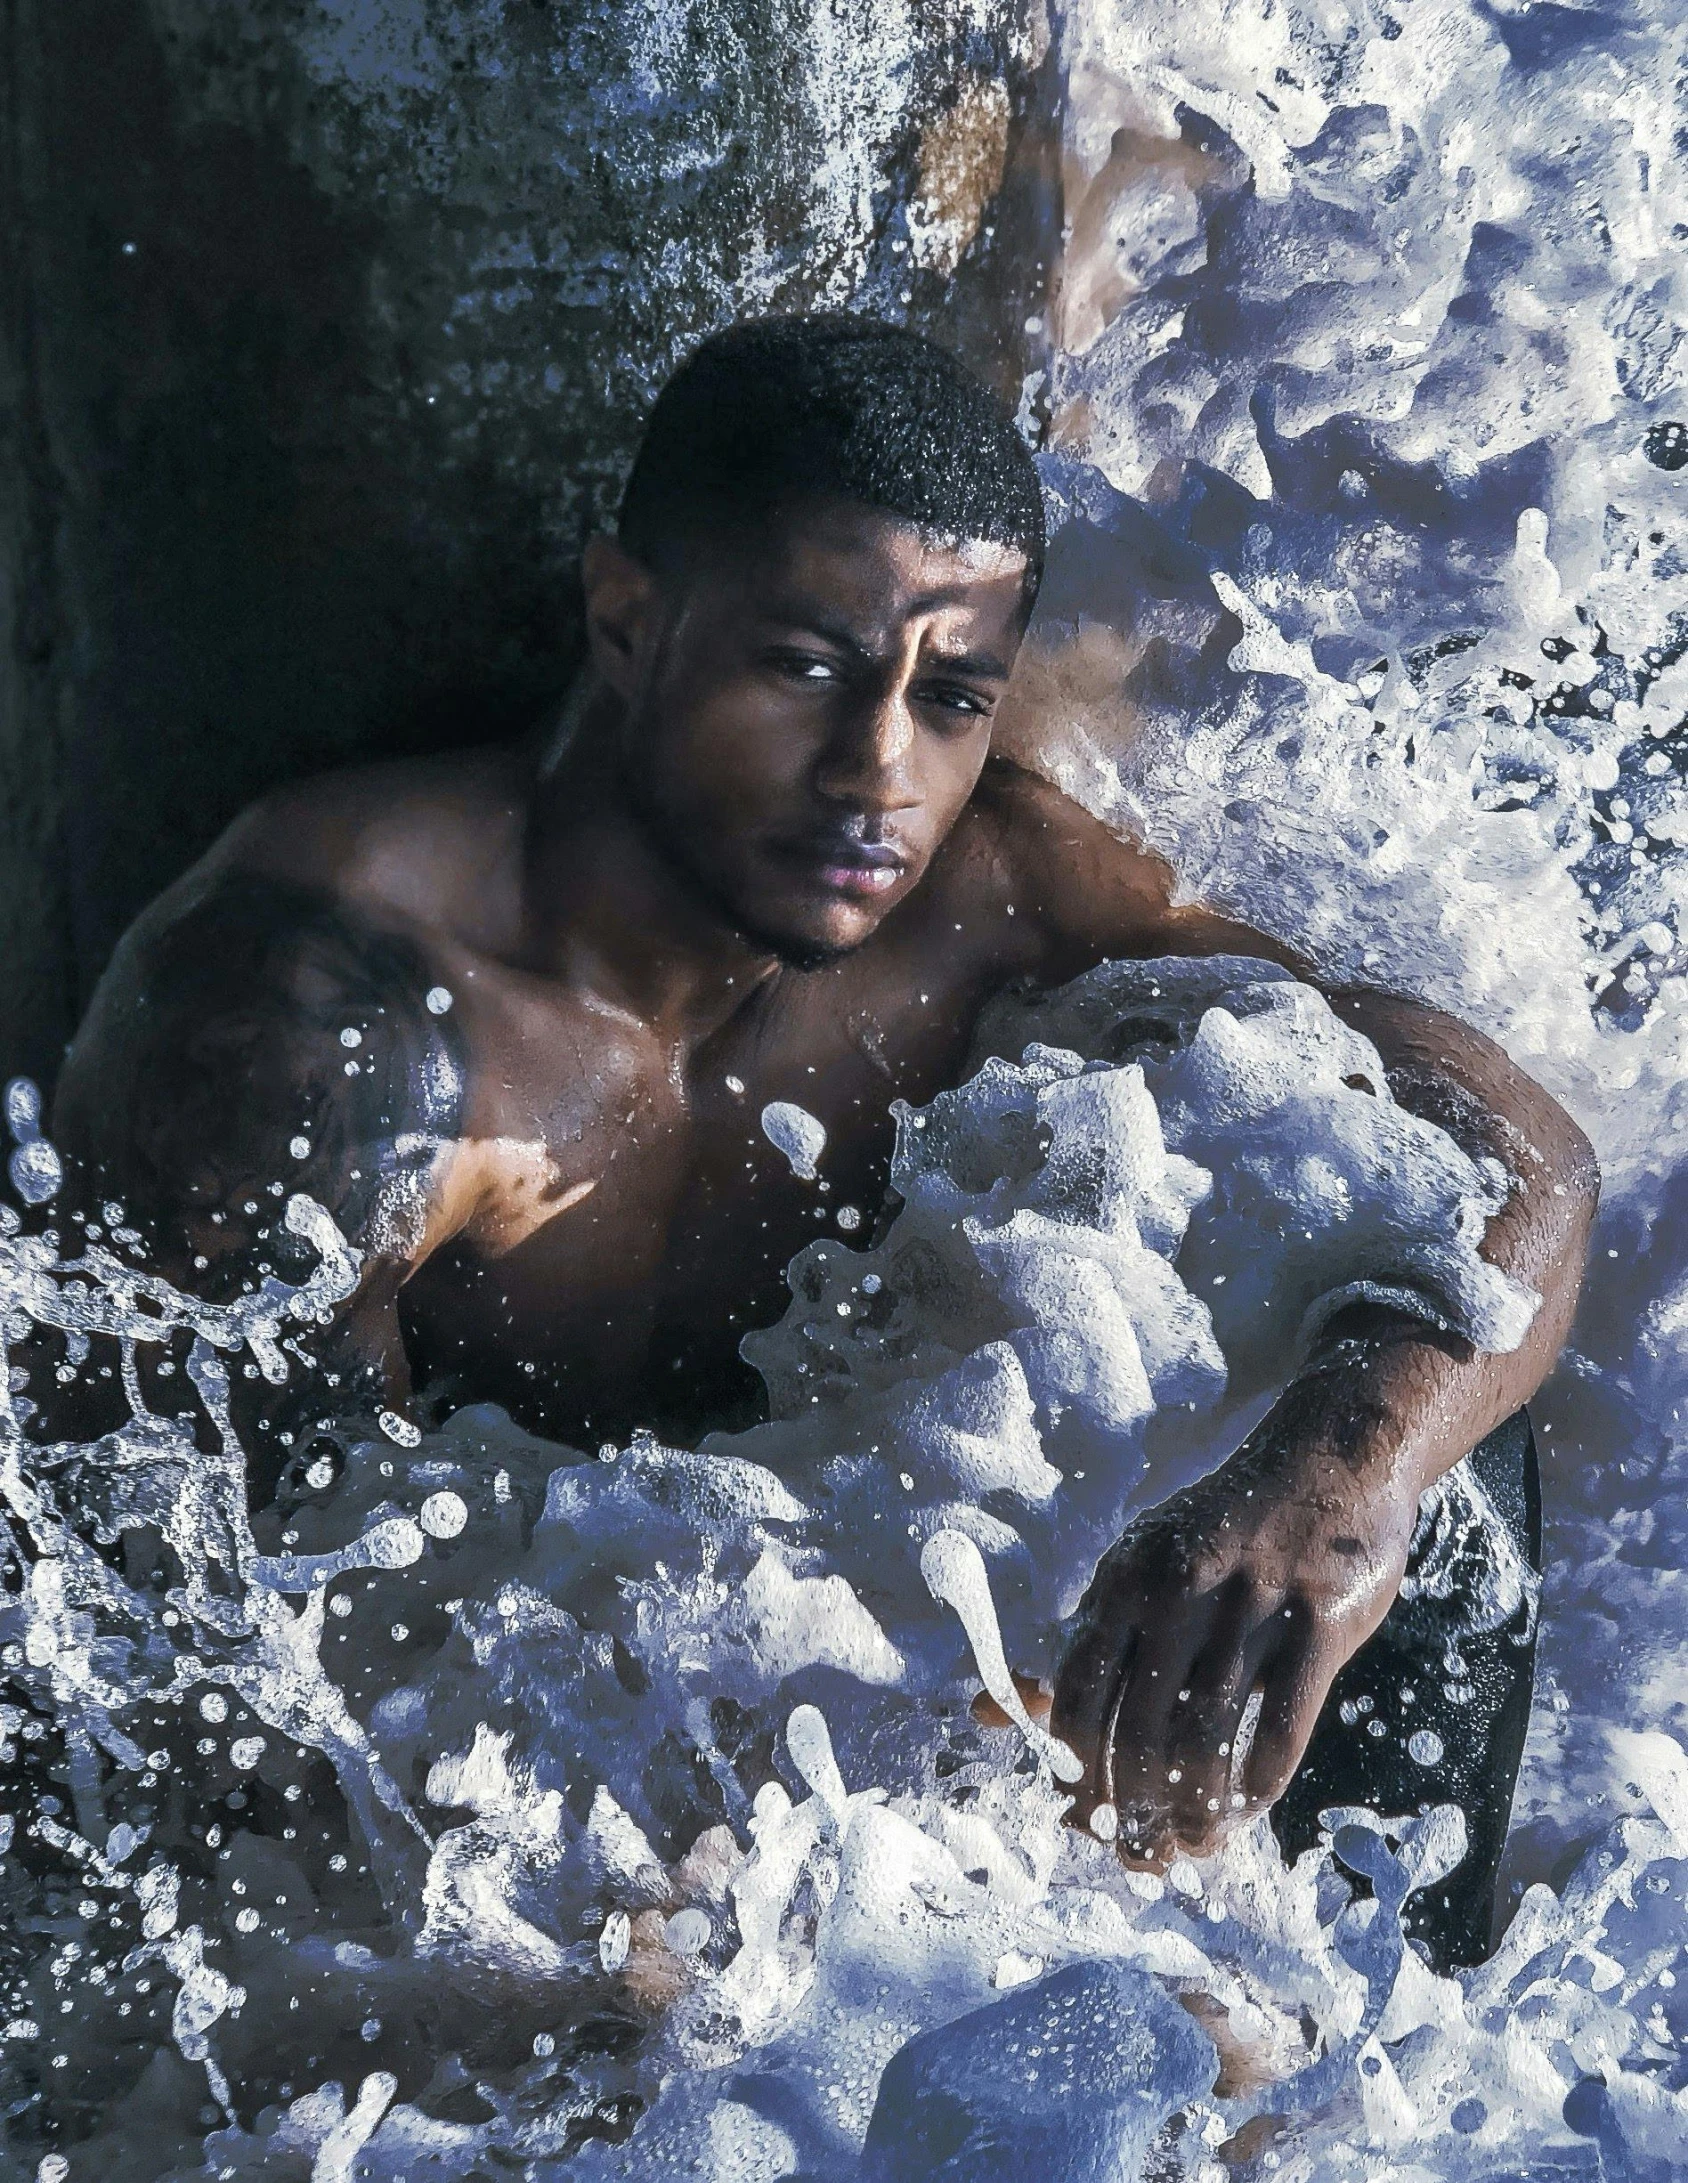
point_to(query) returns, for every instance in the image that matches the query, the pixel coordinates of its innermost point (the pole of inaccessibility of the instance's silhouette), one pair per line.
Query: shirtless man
(513, 1016)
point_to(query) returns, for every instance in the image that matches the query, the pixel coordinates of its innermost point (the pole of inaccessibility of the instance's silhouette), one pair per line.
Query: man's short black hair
(783, 410)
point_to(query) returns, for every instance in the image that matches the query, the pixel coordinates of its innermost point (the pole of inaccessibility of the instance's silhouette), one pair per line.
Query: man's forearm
(1402, 1400)
(1407, 1401)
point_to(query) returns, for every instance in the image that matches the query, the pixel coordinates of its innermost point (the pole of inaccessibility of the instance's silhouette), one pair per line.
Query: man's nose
(868, 759)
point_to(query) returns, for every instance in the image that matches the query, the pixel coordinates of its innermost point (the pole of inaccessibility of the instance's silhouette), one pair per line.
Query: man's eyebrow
(803, 614)
(984, 665)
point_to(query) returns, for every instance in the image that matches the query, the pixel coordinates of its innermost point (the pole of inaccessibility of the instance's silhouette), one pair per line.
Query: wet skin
(773, 859)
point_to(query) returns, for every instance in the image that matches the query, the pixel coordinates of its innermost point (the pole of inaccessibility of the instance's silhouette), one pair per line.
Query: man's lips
(865, 870)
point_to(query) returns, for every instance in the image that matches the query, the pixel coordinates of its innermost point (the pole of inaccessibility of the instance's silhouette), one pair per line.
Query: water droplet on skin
(400, 1430)
(438, 999)
(1425, 1747)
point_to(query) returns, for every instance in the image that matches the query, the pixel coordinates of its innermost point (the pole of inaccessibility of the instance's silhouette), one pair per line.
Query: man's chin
(803, 931)
(814, 954)
(797, 947)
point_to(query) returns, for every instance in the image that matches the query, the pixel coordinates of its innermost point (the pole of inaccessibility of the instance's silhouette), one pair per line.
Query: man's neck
(609, 910)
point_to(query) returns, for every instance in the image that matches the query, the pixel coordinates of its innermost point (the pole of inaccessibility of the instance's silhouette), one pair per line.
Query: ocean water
(492, 1808)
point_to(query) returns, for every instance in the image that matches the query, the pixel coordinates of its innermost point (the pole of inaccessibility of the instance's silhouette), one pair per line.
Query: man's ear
(620, 603)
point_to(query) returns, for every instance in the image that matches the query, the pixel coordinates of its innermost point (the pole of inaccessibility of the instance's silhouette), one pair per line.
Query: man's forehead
(842, 556)
(852, 530)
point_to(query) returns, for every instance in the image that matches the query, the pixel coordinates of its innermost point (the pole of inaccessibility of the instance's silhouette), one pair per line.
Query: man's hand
(1266, 1577)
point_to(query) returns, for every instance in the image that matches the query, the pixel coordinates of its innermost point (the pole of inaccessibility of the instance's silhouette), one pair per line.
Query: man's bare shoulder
(1059, 860)
(434, 842)
(255, 1035)
(1087, 891)
(277, 995)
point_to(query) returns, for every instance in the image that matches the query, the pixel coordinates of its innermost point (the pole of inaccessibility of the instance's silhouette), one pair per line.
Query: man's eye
(805, 667)
(953, 698)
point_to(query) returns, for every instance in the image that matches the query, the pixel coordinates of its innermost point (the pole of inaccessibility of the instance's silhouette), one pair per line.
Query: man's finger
(1291, 1697)
(1239, 1638)
(1033, 1696)
(1087, 1692)
(1206, 1721)
(1134, 1776)
(1160, 1806)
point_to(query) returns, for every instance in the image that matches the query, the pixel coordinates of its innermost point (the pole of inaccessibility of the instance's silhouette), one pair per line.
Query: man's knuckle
(1248, 1592)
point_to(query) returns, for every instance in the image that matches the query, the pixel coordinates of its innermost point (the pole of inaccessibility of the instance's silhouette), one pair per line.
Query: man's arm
(251, 1040)
(1271, 1573)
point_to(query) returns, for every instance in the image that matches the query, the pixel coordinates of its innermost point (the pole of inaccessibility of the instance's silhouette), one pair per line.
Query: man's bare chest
(633, 1213)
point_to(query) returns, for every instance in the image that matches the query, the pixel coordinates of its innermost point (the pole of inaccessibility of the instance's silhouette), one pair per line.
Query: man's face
(807, 715)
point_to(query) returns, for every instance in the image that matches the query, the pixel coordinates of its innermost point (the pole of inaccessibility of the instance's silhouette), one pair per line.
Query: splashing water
(487, 1800)
(489, 1803)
